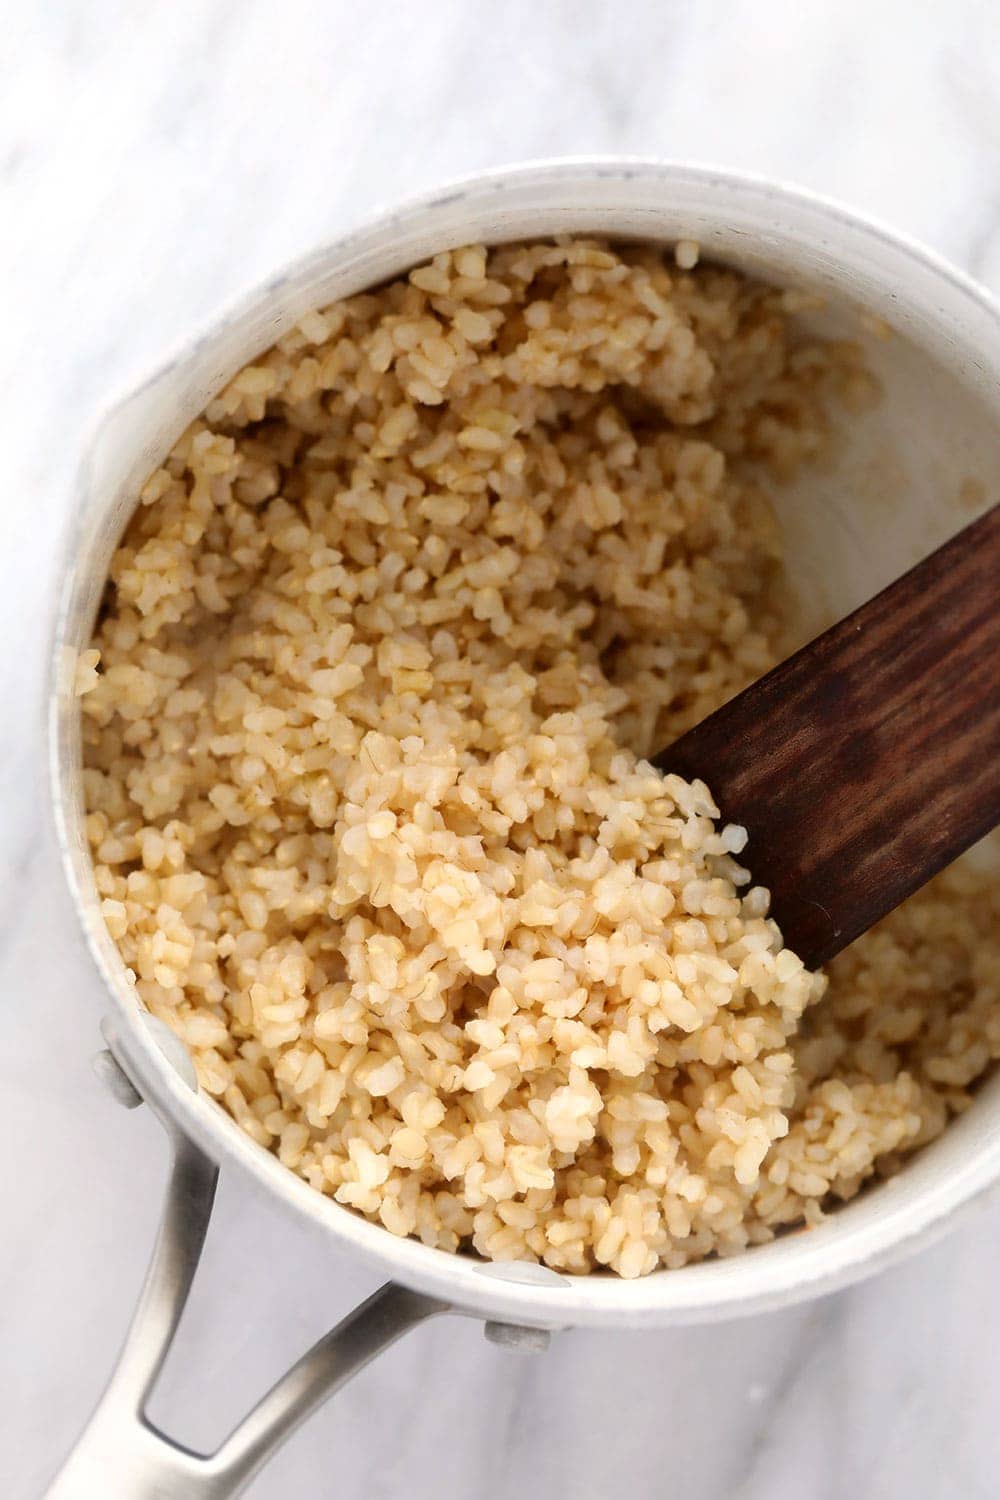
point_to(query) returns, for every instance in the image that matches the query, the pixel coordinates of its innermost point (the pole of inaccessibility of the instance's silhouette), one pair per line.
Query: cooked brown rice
(381, 648)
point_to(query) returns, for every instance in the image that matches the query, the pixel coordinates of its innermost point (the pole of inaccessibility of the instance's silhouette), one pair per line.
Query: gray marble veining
(156, 161)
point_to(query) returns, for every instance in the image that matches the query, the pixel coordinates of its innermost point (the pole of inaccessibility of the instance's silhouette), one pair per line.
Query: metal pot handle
(121, 1451)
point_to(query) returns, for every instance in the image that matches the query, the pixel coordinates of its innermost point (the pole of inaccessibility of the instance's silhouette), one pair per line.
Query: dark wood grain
(867, 761)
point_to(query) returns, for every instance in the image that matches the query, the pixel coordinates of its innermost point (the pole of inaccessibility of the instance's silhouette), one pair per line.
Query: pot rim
(862, 1237)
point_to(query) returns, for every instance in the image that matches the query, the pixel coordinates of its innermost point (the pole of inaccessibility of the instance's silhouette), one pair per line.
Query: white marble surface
(155, 160)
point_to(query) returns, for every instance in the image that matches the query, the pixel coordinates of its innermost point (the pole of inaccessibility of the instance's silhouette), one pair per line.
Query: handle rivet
(115, 1080)
(517, 1336)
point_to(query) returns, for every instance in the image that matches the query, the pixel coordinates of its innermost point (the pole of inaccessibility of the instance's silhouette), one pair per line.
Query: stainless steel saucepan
(896, 492)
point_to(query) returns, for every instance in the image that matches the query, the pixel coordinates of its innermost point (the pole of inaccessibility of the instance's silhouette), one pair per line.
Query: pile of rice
(381, 650)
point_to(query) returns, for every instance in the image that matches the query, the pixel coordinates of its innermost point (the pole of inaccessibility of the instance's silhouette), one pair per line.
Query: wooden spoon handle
(868, 760)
